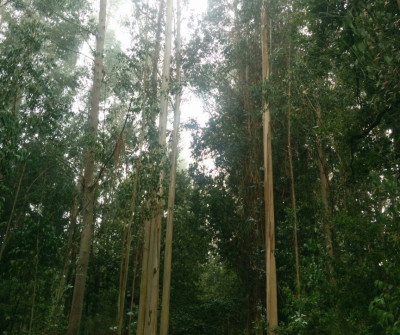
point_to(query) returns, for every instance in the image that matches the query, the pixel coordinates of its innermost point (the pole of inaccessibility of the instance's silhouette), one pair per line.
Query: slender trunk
(250, 188)
(135, 266)
(271, 290)
(146, 241)
(143, 279)
(149, 298)
(34, 284)
(150, 327)
(128, 235)
(7, 233)
(164, 323)
(156, 54)
(293, 193)
(153, 101)
(154, 251)
(89, 187)
(121, 273)
(324, 195)
(68, 252)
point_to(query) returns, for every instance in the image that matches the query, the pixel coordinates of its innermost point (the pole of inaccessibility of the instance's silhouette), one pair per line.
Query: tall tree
(166, 292)
(271, 289)
(89, 187)
(151, 255)
(127, 228)
(323, 175)
(291, 173)
(155, 229)
(147, 224)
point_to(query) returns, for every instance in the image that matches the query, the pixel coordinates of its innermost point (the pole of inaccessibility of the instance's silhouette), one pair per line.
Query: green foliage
(385, 307)
(339, 57)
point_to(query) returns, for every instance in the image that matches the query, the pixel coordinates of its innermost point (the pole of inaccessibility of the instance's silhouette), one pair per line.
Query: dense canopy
(284, 220)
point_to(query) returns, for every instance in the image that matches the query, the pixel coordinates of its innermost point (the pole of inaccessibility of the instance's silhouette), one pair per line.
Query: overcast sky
(192, 106)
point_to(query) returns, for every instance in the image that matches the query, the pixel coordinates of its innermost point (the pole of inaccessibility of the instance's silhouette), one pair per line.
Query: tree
(150, 292)
(332, 98)
(89, 184)
(166, 292)
(271, 302)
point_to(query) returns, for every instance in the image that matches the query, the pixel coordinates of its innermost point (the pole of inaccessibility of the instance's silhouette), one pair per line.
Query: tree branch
(370, 127)
(71, 21)
(3, 4)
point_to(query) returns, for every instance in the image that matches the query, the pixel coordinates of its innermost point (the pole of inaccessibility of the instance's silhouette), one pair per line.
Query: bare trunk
(121, 274)
(157, 49)
(147, 230)
(128, 231)
(34, 284)
(149, 298)
(293, 192)
(135, 265)
(89, 187)
(155, 59)
(324, 194)
(143, 279)
(164, 323)
(150, 327)
(271, 289)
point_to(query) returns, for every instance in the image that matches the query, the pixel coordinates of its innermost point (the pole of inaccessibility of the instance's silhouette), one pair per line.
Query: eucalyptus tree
(149, 295)
(271, 290)
(89, 184)
(334, 79)
(29, 66)
(331, 71)
(38, 59)
(166, 291)
(231, 54)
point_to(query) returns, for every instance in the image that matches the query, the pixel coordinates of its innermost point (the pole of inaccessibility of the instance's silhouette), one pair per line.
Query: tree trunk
(135, 265)
(146, 241)
(271, 290)
(120, 302)
(157, 49)
(89, 187)
(34, 284)
(68, 252)
(324, 195)
(127, 233)
(164, 323)
(150, 327)
(154, 75)
(293, 192)
(143, 279)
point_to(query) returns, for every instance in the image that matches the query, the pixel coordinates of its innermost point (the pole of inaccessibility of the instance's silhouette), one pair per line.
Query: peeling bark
(271, 288)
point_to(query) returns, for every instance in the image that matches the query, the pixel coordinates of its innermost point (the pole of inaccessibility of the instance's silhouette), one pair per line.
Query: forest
(284, 218)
